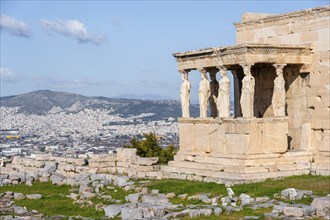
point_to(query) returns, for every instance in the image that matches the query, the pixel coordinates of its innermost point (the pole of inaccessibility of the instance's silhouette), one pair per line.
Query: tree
(151, 148)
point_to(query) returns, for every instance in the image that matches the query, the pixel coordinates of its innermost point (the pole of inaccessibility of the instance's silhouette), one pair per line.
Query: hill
(42, 102)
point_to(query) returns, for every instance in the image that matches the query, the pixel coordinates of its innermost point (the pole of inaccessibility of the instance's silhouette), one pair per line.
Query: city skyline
(99, 48)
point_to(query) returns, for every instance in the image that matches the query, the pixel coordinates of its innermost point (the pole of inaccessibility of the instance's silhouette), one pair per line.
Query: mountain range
(45, 101)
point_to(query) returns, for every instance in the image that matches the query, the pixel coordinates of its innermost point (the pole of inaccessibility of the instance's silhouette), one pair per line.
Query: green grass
(53, 202)
(185, 202)
(320, 185)
(234, 215)
(59, 205)
(38, 187)
(187, 187)
(117, 193)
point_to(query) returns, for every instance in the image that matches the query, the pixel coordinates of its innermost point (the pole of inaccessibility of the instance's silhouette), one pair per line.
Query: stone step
(231, 176)
(195, 165)
(321, 166)
(226, 162)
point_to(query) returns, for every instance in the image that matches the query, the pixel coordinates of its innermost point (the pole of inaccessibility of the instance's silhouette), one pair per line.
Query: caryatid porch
(260, 126)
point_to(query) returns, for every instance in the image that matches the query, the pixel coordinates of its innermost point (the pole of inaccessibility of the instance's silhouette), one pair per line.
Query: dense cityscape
(74, 134)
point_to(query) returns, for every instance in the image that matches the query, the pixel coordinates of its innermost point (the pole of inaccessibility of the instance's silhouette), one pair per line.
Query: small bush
(150, 148)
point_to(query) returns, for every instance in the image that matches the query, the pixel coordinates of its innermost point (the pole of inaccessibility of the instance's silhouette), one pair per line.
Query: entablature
(231, 56)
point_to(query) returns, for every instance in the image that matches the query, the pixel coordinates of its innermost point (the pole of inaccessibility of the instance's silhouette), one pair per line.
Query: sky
(110, 48)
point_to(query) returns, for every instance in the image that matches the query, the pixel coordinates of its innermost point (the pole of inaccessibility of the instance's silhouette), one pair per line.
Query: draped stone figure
(185, 94)
(278, 99)
(247, 96)
(223, 97)
(204, 94)
(214, 84)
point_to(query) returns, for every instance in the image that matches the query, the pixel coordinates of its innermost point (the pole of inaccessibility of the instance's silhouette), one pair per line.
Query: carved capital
(246, 68)
(182, 71)
(279, 68)
(202, 70)
(223, 70)
(184, 74)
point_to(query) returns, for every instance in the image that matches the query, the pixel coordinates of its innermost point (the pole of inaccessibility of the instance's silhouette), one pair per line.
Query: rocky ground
(143, 203)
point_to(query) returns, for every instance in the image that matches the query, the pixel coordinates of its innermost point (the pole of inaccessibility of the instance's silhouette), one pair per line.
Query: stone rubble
(143, 204)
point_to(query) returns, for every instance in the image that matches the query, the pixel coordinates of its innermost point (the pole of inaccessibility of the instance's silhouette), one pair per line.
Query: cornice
(243, 49)
(282, 19)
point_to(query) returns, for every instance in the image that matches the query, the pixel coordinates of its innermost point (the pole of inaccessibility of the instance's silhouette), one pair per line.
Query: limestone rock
(183, 196)
(126, 155)
(73, 196)
(33, 196)
(289, 193)
(251, 217)
(133, 198)
(322, 206)
(246, 199)
(303, 193)
(217, 211)
(83, 189)
(170, 195)
(206, 211)
(147, 161)
(112, 211)
(56, 178)
(148, 211)
(49, 167)
(128, 213)
(18, 196)
(122, 181)
(293, 211)
(155, 199)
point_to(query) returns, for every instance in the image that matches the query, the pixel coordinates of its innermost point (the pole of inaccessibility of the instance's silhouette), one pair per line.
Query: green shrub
(150, 148)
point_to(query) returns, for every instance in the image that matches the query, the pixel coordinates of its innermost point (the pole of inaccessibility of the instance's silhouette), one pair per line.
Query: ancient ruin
(280, 127)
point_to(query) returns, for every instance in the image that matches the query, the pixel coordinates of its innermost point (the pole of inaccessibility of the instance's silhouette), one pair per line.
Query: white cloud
(72, 28)
(14, 27)
(6, 75)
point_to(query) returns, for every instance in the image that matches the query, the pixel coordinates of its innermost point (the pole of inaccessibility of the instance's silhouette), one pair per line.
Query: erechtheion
(280, 127)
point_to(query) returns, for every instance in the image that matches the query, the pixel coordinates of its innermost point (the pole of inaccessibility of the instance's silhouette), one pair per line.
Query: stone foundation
(219, 169)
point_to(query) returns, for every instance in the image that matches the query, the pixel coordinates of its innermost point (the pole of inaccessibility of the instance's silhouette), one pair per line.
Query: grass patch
(234, 215)
(320, 185)
(117, 193)
(54, 201)
(59, 205)
(38, 187)
(187, 187)
(186, 202)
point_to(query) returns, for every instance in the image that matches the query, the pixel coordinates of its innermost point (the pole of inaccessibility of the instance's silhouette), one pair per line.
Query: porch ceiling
(232, 56)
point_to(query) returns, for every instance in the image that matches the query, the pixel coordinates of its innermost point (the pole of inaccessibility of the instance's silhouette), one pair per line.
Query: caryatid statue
(185, 94)
(224, 91)
(203, 93)
(214, 84)
(278, 99)
(247, 96)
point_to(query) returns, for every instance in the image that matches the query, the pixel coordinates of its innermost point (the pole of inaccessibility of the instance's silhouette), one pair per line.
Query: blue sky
(108, 48)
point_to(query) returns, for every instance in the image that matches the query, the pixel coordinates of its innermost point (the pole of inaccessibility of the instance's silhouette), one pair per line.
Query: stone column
(278, 99)
(185, 93)
(224, 93)
(204, 93)
(214, 86)
(237, 107)
(247, 96)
